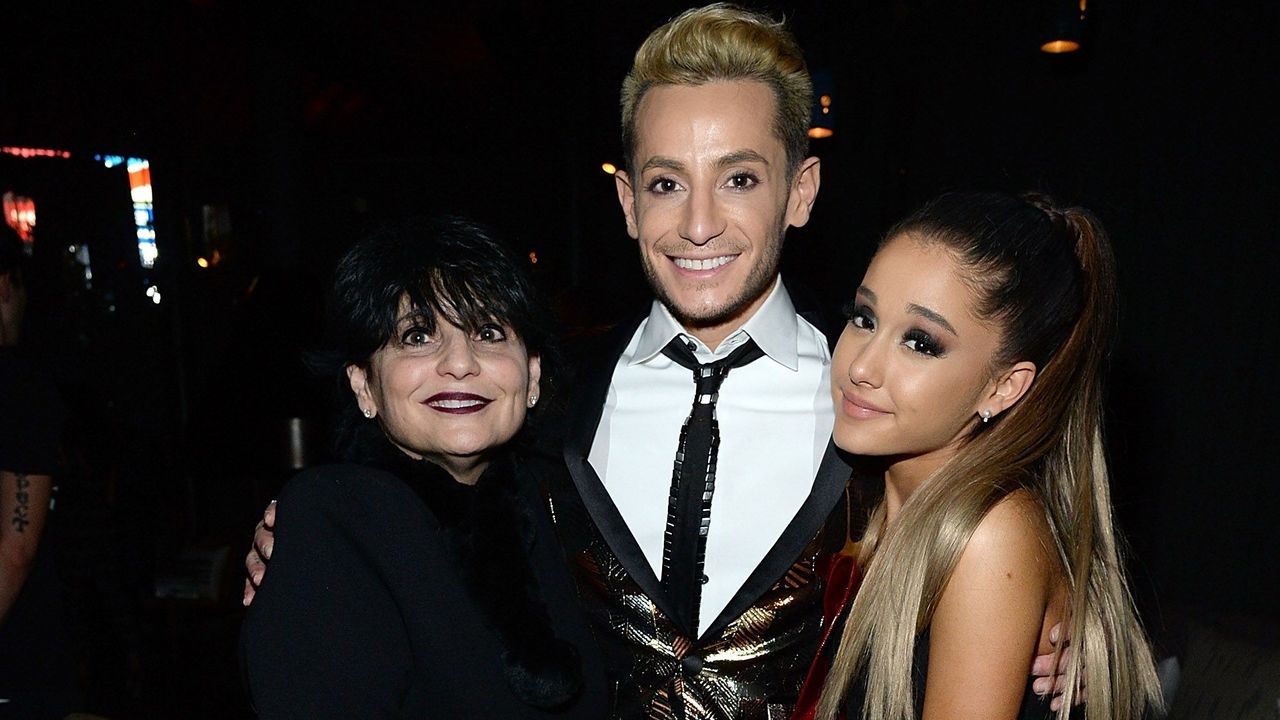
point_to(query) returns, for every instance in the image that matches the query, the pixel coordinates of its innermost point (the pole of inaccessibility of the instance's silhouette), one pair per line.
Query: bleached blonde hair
(725, 42)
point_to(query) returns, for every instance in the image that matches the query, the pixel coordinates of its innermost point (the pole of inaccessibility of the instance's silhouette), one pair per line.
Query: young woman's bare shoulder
(991, 615)
(1013, 538)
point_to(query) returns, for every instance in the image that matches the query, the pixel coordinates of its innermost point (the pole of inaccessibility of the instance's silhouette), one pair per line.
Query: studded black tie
(693, 481)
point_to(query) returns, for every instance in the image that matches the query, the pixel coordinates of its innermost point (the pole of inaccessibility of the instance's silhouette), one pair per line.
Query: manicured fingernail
(269, 546)
(1054, 634)
(1055, 703)
(1041, 686)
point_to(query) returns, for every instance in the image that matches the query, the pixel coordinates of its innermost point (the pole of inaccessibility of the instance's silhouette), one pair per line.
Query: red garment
(842, 581)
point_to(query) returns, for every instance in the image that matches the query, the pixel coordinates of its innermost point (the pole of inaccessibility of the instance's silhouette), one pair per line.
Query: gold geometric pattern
(758, 660)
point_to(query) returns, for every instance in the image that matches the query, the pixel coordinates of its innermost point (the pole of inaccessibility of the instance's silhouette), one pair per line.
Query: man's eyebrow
(925, 312)
(741, 156)
(662, 162)
(733, 158)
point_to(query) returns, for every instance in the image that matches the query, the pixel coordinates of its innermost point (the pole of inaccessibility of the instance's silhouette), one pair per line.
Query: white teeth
(456, 403)
(708, 264)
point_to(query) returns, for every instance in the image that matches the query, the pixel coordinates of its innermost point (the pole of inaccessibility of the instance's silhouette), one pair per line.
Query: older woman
(422, 578)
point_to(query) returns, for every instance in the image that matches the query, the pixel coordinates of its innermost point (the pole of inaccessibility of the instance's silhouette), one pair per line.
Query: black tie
(684, 547)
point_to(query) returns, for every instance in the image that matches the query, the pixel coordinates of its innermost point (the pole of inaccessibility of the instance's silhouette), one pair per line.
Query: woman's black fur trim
(490, 532)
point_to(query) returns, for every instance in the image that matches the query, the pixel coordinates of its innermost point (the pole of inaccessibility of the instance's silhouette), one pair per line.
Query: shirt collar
(773, 327)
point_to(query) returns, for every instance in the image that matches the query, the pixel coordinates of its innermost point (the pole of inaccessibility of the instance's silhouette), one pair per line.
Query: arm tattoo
(20, 512)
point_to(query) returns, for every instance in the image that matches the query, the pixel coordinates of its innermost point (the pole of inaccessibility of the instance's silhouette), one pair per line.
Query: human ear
(535, 378)
(804, 191)
(359, 380)
(1009, 387)
(627, 199)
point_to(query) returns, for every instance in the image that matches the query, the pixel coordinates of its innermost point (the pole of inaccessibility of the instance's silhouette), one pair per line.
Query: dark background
(306, 124)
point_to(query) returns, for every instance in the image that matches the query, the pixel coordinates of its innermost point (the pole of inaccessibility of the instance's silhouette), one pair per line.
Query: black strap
(693, 480)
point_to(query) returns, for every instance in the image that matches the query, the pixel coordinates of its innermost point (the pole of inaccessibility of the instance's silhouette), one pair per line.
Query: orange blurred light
(202, 262)
(1057, 47)
(609, 168)
(821, 132)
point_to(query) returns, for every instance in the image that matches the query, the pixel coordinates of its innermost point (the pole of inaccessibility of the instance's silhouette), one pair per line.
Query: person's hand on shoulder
(255, 562)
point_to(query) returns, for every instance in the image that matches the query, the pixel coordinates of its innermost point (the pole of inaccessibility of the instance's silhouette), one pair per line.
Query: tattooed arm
(24, 505)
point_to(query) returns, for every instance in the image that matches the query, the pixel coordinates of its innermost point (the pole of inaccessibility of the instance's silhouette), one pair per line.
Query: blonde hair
(1048, 277)
(724, 42)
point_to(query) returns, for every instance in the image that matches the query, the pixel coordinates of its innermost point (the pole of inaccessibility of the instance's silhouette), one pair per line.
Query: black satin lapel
(828, 486)
(589, 394)
(615, 532)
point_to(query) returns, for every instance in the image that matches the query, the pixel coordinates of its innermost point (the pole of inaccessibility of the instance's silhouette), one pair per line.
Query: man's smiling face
(711, 200)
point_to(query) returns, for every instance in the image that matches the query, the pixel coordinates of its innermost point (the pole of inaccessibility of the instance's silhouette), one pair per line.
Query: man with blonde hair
(698, 557)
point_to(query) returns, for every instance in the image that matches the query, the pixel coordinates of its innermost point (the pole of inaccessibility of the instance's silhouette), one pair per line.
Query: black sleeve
(324, 637)
(31, 421)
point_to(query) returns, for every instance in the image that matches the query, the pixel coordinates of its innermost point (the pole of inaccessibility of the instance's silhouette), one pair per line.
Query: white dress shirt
(775, 420)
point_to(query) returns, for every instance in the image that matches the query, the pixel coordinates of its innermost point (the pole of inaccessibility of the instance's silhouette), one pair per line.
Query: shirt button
(692, 664)
(691, 345)
(704, 579)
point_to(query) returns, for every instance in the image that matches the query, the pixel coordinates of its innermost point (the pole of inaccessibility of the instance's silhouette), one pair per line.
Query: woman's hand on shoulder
(989, 620)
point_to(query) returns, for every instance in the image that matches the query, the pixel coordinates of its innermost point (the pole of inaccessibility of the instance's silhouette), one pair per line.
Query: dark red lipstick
(456, 403)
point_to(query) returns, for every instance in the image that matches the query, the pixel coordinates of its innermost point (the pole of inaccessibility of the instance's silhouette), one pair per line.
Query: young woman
(969, 377)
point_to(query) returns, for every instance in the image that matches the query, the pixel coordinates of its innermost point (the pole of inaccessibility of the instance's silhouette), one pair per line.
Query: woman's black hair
(423, 269)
